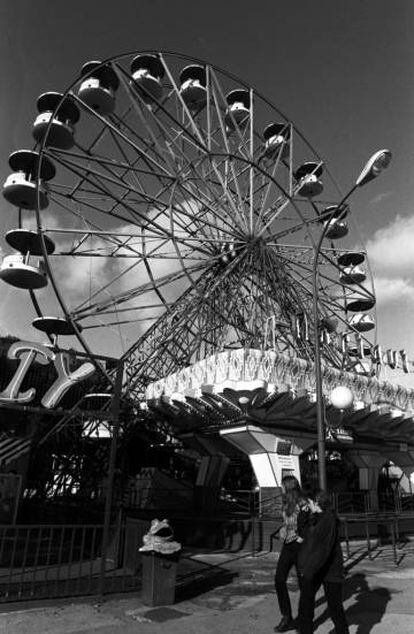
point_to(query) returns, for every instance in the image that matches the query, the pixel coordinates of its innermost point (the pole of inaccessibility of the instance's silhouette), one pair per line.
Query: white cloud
(391, 250)
(389, 290)
(391, 257)
(380, 198)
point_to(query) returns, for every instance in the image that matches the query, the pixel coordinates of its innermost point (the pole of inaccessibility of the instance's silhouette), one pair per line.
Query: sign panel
(27, 353)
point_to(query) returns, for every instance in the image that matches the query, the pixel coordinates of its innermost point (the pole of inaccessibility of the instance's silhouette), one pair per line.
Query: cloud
(391, 251)
(390, 290)
(391, 257)
(380, 198)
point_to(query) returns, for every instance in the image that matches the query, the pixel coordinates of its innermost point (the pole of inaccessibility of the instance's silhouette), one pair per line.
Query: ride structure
(167, 213)
(176, 211)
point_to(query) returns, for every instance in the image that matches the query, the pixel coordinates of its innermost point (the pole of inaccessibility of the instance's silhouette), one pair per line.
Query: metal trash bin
(160, 555)
(159, 574)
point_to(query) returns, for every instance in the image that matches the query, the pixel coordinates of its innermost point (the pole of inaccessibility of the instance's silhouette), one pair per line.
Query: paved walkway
(379, 599)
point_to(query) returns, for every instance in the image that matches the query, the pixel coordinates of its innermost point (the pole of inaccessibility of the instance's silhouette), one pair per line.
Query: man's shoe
(287, 623)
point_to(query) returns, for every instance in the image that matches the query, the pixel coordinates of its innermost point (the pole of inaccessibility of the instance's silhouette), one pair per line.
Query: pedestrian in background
(320, 561)
(296, 513)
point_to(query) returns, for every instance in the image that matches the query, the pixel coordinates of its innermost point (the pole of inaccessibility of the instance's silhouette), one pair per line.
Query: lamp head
(374, 166)
(341, 397)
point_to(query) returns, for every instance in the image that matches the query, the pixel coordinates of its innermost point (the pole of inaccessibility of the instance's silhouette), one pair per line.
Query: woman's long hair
(292, 495)
(323, 499)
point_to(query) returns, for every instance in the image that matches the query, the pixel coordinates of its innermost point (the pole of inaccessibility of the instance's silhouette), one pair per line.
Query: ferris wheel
(168, 211)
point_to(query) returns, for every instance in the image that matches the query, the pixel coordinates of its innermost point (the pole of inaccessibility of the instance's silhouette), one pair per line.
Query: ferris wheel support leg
(116, 400)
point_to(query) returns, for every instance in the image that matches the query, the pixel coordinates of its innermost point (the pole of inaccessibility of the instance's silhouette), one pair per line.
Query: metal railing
(260, 503)
(157, 497)
(351, 502)
(48, 561)
(354, 502)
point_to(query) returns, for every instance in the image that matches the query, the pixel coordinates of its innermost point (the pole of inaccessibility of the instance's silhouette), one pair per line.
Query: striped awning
(12, 447)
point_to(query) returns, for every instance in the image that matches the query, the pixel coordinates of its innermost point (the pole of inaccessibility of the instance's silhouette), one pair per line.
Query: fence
(262, 503)
(234, 502)
(48, 561)
(351, 502)
(59, 560)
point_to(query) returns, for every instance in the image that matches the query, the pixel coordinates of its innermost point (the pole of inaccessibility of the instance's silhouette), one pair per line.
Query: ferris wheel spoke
(237, 208)
(103, 132)
(102, 188)
(139, 107)
(124, 203)
(136, 98)
(127, 140)
(137, 173)
(148, 155)
(108, 177)
(210, 219)
(195, 129)
(229, 167)
(294, 228)
(263, 212)
(86, 204)
(242, 138)
(132, 294)
(220, 188)
(191, 230)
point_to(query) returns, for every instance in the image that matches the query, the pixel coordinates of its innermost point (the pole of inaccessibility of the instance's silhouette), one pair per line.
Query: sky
(341, 70)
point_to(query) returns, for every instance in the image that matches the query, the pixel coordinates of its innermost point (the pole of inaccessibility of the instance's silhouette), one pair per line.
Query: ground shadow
(368, 607)
(200, 577)
(236, 535)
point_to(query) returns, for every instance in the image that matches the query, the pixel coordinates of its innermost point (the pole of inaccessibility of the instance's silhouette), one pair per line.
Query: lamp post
(374, 166)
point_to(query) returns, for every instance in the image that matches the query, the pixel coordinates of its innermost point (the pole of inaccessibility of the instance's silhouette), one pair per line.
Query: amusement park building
(263, 404)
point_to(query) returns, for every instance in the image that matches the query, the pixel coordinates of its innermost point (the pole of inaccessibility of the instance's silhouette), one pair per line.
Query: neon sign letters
(27, 352)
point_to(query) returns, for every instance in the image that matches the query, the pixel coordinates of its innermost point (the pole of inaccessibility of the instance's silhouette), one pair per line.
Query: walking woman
(296, 513)
(320, 561)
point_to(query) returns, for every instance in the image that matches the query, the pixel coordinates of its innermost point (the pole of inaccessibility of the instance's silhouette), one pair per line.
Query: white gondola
(99, 87)
(360, 303)
(22, 270)
(362, 322)
(351, 258)
(334, 221)
(193, 86)
(147, 72)
(59, 125)
(352, 275)
(358, 351)
(27, 241)
(238, 109)
(276, 136)
(18, 271)
(20, 188)
(55, 326)
(336, 229)
(308, 178)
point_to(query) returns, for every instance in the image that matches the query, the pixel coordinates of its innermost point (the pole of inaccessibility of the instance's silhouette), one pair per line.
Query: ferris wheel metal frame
(198, 180)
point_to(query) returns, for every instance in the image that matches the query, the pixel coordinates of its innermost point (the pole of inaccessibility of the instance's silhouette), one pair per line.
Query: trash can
(159, 574)
(160, 555)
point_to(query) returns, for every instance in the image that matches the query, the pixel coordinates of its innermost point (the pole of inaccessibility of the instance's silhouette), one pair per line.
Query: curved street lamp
(373, 168)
